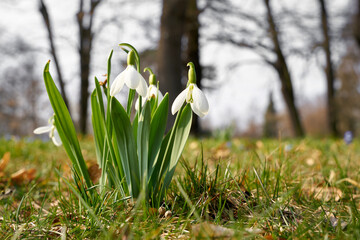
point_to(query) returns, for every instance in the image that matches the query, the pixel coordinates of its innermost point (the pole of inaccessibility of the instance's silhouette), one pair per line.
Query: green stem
(130, 101)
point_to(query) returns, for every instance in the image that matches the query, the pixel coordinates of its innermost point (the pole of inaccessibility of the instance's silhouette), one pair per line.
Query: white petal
(56, 138)
(132, 77)
(143, 99)
(179, 101)
(142, 87)
(196, 110)
(200, 102)
(41, 130)
(137, 104)
(152, 92)
(160, 97)
(118, 84)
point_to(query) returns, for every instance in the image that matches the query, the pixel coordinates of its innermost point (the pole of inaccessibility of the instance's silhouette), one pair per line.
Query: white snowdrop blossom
(193, 95)
(152, 92)
(132, 79)
(51, 129)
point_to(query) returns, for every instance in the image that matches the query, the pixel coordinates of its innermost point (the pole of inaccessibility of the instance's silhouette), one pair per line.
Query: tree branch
(46, 18)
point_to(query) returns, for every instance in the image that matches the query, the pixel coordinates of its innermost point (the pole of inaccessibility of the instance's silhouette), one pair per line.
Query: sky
(240, 93)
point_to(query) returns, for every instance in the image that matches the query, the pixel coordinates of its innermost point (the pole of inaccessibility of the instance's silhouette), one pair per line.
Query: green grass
(267, 189)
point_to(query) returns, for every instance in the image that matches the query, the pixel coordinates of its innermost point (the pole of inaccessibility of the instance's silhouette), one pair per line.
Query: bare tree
(330, 76)
(356, 23)
(44, 13)
(85, 23)
(19, 92)
(348, 96)
(170, 48)
(281, 67)
(85, 18)
(264, 41)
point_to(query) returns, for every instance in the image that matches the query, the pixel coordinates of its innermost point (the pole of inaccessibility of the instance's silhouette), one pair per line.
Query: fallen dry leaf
(23, 176)
(259, 144)
(6, 193)
(222, 152)
(310, 161)
(332, 177)
(94, 171)
(194, 146)
(254, 230)
(323, 193)
(4, 161)
(334, 221)
(208, 230)
(349, 180)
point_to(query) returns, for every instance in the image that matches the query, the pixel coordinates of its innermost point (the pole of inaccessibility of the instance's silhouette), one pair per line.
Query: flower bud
(131, 58)
(191, 73)
(152, 77)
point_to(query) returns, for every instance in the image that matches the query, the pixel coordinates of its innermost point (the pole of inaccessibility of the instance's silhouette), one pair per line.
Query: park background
(269, 68)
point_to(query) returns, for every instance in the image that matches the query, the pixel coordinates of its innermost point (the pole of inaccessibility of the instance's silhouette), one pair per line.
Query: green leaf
(130, 101)
(181, 134)
(101, 146)
(143, 132)
(155, 175)
(99, 97)
(98, 127)
(135, 125)
(65, 127)
(126, 146)
(109, 68)
(157, 130)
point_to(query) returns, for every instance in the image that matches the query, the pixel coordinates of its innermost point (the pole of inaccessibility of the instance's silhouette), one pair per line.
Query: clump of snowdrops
(134, 153)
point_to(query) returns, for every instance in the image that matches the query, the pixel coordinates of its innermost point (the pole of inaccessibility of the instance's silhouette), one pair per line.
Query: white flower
(193, 95)
(51, 129)
(152, 92)
(132, 79)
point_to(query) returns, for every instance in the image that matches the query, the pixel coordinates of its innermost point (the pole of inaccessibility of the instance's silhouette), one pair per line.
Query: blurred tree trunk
(270, 121)
(356, 24)
(169, 53)
(45, 16)
(192, 50)
(330, 77)
(85, 20)
(282, 69)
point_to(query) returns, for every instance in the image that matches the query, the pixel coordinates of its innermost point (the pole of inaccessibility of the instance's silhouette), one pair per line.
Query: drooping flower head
(152, 91)
(51, 129)
(193, 95)
(130, 77)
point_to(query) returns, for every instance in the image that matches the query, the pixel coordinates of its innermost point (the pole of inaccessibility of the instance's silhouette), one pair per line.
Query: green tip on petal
(152, 77)
(131, 58)
(191, 73)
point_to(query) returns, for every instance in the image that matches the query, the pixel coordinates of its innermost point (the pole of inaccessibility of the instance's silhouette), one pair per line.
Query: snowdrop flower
(130, 77)
(51, 129)
(152, 91)
(193, 95)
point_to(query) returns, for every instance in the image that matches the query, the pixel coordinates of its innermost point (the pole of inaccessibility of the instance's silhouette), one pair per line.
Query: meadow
(222, 188)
